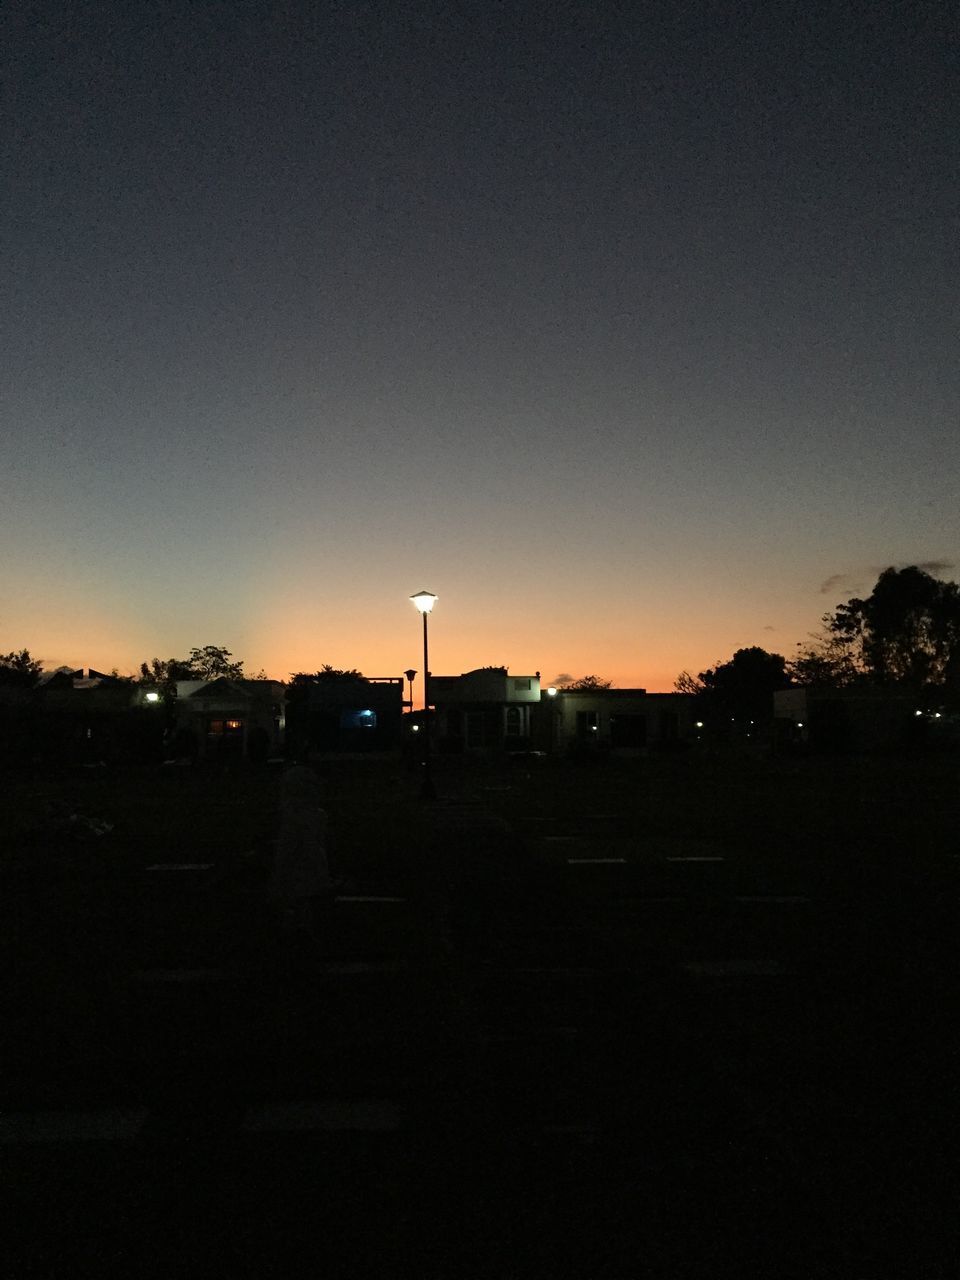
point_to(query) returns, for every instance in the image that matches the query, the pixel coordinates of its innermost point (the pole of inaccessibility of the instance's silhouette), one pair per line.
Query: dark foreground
(561, 1024)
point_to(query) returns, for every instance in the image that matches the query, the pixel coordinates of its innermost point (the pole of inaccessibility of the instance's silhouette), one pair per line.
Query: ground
(684, 1015)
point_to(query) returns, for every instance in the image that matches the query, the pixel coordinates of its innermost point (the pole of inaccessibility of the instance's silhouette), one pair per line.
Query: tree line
(905, 634)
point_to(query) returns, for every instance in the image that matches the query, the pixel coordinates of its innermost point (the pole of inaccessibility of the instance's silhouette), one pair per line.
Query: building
(68, 718)
(221, 719)
(627, 721)
(856, 718)
(344, 713)
(484, 710)
(489, 709)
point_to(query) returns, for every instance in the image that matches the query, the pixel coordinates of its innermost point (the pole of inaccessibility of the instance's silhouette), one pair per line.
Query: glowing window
(358, 719)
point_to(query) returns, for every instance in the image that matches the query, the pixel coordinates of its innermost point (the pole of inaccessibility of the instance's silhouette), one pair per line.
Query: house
(71, 718)
(344, 712)
(856, 718)
(483, 710)
(223, 719)
(620, 720)
(489, 709)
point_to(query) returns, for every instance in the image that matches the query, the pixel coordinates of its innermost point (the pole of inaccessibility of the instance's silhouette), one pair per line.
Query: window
(224, 728)
(514, 722)
(358, 719)
(521, 686)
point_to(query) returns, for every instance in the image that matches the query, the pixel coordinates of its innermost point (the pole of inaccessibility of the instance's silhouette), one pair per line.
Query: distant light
(936, 715)
(414, 728)
(155, 697)
(551, 692)
(918, 713)
(234, 724)
(366, 713)
(799, 724)
(699, 724)
(424, 600)
(595, 727)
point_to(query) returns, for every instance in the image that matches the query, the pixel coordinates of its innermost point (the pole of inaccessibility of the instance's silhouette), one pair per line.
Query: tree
(586, 684)
(825, 662)
(741, 689)
(165, 671)
(213, 662)
(19, 670)
(686, 683)
(326, 672)
(209, 663)
(907, 631)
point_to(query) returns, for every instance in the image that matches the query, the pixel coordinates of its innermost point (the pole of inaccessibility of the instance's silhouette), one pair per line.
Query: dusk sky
(630, 330)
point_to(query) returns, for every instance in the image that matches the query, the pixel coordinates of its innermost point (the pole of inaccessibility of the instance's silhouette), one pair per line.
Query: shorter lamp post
(411, 676)
(425, 600)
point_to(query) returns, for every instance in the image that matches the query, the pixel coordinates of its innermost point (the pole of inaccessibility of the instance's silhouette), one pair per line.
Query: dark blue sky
(623, 328)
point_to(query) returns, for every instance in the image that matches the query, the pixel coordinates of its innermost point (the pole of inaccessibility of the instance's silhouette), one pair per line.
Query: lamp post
(411, 675)
(425, 600)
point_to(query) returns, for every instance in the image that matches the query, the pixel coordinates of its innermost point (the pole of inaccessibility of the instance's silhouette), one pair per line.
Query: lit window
(358, 719)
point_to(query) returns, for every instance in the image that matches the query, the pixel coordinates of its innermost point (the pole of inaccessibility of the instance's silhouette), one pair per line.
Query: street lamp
(411, 675)
(425, 600)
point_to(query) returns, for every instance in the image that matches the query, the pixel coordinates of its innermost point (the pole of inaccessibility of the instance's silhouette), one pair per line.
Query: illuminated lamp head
(424, 600)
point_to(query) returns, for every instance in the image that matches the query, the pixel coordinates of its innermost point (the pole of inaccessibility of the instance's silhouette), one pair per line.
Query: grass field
(672, 1016)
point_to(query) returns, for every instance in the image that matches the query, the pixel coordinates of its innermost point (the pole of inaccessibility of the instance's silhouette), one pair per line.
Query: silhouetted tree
(907, 631)
(686, 683)
(165, 671)
(586, 684)
(741, 689)
(213, 662)
(18, 669)
(326, 672)
(825, 662)
(209, 663)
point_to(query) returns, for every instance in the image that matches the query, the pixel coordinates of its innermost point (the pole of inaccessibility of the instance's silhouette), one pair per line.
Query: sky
(630, 330)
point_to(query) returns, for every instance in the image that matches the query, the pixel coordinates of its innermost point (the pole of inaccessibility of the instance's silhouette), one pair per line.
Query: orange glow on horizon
(630, 646)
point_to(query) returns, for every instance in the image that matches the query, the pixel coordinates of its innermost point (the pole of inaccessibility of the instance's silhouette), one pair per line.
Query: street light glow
(424, 600)
(151, 697)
